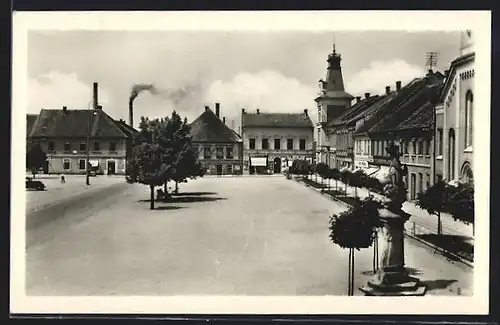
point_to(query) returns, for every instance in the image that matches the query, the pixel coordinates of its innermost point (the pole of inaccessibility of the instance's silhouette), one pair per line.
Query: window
(219, 153)
(67, 147)
(97, 146)
(112, 146)
(207, 153)
(451, 155)
(405, 147)
(420, 147)
(265, 144)
(252, 143)
(414, 147)
(66, 164)
(440, 142)
(428, 181)
(427, 147)
(277, 144)
(51, 146)
(229, 152)
(81, 163)
(468, 118)
(83, 146)
(420, 182)
(289, 144)
(302, 144)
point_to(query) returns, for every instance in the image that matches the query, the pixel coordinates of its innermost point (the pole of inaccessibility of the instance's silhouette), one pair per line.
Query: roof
(277, 120)
(409, 108)
(127, 129)
(453, 68)
(30, 121)
(354, 112)
(209, 128)
(55, 123)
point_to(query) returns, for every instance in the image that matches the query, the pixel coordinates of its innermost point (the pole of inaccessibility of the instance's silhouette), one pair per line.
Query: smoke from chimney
(136, 90)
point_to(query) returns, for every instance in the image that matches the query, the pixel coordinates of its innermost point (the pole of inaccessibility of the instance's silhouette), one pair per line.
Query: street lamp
(87, 145)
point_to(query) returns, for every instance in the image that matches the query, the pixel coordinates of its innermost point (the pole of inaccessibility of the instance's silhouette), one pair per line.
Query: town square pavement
(225, 236)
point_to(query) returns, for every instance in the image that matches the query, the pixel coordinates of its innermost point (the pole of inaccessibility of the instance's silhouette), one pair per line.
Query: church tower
(332, 101)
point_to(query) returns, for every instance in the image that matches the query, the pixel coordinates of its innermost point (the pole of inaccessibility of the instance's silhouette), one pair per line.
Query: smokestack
(217, 109)
(96, 94)
(305, 111)
(387, 90)
(358, 99)
(224, 120)
(398, 85)
(367, 95)
(258, 111)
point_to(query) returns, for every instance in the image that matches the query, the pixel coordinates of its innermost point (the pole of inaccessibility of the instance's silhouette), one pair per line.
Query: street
(224, 236)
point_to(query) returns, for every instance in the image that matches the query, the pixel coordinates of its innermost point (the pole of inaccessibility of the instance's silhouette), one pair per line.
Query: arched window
(451, 155)
(469, 103)
(466, 175)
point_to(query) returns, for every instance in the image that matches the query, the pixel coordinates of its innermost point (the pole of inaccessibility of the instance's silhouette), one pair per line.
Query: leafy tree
(355, 229)
(35, 158)
(322, 171)
(460, 202)
(432, 200)
(334, 173)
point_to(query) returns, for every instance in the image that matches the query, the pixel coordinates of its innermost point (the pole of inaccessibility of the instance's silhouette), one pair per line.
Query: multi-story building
(454, 118)
(406, 120)
(271, 141)
(219, 147)
(332, 101)
(63, 133)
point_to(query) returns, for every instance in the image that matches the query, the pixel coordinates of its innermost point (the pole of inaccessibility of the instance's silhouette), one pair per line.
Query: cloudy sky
(273, 71)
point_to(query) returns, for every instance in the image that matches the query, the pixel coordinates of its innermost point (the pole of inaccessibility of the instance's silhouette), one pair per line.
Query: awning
(94, 163)
(258, 161)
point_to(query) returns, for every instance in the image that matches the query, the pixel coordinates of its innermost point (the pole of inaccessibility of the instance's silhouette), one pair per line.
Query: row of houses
(430, 119)
(267, 143)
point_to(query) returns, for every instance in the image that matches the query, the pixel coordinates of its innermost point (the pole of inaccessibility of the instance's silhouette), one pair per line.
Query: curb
(436, 248)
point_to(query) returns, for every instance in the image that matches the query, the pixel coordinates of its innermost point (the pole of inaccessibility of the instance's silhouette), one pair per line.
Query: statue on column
(395, 188)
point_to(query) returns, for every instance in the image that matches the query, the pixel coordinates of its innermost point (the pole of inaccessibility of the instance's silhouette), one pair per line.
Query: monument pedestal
(392, 279)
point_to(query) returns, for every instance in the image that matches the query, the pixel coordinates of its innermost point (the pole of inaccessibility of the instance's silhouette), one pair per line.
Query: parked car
(34, 185)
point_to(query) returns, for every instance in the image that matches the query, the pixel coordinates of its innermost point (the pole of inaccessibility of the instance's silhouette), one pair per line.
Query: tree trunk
(152, 201)
(336, 186)
(165, 189)
(352, 272)
(439, 223)
(375, 253)
(349, 273)
(176, 187)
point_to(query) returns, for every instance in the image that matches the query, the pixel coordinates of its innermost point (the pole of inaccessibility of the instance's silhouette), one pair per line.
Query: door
(111, 167)
(46, 167)
(277, 165)
(219, 169)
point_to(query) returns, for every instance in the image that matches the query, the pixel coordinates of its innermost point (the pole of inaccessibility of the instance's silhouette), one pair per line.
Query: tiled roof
(401, 113)
(420, 118)
(30, 121)
(385, 108)
(75, 123)
(277, 120)
(127, 129)
(209, 128)
(354, 112)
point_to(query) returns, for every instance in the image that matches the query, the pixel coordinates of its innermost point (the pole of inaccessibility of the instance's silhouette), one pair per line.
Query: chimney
(65, 109)
(99, 107)
(398, 85)
(258, 111)
(206, 108)
(217, 109)
(446, 73)
(131, 112)
(430, 72)
(224, 120)
(358, 99)
(305, 111)
(95, 94)
(367, 95)
(387, 90)
(242, 111)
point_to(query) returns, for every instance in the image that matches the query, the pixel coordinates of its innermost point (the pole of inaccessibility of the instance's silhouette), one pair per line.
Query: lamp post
(87, 145)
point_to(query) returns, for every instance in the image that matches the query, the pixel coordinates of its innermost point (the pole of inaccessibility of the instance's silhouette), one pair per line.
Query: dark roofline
(452, 71)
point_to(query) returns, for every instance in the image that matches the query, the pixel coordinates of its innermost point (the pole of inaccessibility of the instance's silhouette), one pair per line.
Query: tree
(322, 170)
(334, 173)
(460, 202)
(345, 178)
(432, 200)
(146, 166)
(355, 229)
(35, 158)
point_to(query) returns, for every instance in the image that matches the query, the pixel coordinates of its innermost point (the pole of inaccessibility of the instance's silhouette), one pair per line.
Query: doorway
(111, 167)
(219, 169)
(413, 186)
(277, 165)
(46, 167)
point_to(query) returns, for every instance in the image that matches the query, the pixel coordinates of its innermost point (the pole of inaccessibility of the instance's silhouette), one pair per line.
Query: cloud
(270, 91)
(380, 74)
(55, 89)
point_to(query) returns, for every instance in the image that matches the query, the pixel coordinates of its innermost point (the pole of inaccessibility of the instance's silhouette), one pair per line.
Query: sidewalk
(421, 226)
